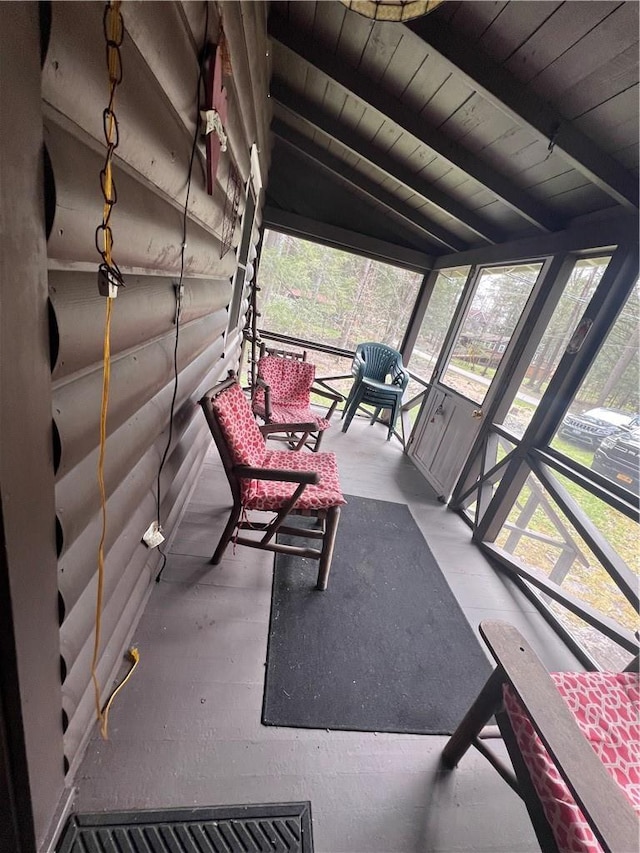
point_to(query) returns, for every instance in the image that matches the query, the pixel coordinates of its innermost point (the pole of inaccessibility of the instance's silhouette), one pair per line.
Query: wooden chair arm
(338, 398)
(334, 378)
(282, 475)
(600, 798)
(267, 429)
(260, 383)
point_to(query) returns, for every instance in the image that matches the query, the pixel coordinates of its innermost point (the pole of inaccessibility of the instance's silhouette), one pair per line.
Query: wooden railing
(405, 420)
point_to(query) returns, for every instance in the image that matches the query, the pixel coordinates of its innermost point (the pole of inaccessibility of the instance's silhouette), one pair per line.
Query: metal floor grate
(268, 828)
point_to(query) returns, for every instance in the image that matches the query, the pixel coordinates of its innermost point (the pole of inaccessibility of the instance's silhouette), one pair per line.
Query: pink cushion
(292, 414)
(289, 380)
(606, 707)
(244, 439)
(272, 495)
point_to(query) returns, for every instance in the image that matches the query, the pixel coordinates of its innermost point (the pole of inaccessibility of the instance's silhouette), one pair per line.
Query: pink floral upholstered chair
(284, 385)
(284, 482)
(574, 742)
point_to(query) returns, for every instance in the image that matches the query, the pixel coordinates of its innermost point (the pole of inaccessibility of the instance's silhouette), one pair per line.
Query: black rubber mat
(269, 828)
(386, 648)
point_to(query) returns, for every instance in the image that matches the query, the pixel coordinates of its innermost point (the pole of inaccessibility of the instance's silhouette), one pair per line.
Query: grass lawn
(590, 582)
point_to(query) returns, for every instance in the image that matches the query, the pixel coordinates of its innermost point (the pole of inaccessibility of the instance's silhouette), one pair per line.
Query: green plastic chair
(374, 364)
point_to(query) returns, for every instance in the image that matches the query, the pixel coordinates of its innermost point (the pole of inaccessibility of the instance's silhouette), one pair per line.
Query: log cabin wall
(156, 111)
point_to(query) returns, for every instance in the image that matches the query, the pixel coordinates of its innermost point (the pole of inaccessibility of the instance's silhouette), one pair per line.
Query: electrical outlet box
(107, 282)
(153, 535)
(179, 291)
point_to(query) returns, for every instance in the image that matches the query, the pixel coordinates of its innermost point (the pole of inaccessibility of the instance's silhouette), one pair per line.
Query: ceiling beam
(366, 187)
(341, 238)
(399, 114)
(510, 96)
(333, 128)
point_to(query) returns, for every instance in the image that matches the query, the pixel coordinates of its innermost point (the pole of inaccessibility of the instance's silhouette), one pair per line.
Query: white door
(467, 375)
(443, 438)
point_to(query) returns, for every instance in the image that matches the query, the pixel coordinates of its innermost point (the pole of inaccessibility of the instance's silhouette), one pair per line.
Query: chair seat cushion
(271, 495)
(291, 413)
(606, 707)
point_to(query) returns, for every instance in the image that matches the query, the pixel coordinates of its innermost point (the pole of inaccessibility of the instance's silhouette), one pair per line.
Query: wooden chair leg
(316, 446)
(226, 534)
(331, 528)
(488, 702)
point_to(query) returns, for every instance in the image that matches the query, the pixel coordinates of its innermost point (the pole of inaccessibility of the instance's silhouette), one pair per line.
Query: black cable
(180, 280)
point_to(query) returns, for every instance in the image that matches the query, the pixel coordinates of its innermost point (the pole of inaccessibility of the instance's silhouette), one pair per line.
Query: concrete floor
(187, 731)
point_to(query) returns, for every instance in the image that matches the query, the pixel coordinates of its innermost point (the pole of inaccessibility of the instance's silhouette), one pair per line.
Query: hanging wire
(108, 276)
(196, 132)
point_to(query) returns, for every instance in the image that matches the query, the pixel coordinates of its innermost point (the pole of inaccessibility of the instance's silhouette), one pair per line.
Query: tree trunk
(628, 354)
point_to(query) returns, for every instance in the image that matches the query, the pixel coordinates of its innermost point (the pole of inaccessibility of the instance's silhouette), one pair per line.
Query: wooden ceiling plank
(290, 66)
(478, 122)
(321, 203)
(388, 106)
(510, 144)
(334, 99)
(446, 11)
(355, 142)
(386, 137)
(513, 26)
(363, 185)
(618, 75)
(316, 86)
(379, 50)
(620, 28)
(328, 24)
(539, 160)
(473, 19)
(434, 169)
(559, 184)
(451, 97)
(341, 238)
(352, 112)
(424, 84)
(404, 148)
(302, 15)
(353, 38)
(617, 119)
(402, 68)
(629, 156)
(581, 201)
(509, 95)
(281, 113)
(487, 133)
(369, 125)
(570, 22)
(504, 217)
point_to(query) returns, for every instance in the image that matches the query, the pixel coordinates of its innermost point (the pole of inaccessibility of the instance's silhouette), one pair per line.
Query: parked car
(594, 426)
(618, 458)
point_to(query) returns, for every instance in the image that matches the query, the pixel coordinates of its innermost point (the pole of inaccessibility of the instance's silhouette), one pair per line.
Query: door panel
(469, 364)
(448, 430)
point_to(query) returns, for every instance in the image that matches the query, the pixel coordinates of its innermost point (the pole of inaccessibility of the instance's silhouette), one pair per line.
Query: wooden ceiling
(477, 124)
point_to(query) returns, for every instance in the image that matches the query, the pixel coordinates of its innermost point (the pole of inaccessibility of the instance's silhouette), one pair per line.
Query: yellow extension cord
(134, 656)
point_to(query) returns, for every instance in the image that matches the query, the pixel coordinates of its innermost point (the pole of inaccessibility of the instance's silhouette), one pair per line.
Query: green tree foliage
(316, 293)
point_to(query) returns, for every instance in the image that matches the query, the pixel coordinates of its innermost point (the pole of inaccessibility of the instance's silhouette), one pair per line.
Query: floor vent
(268, 828)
